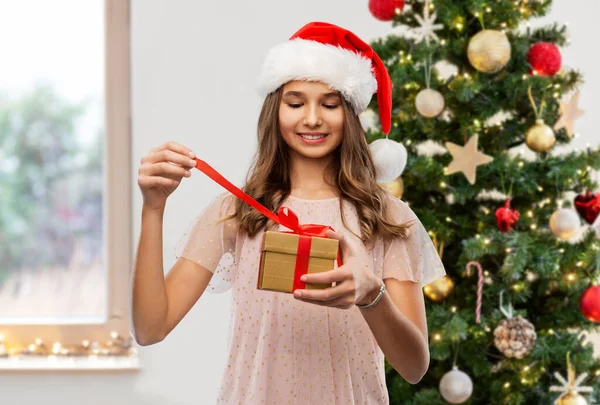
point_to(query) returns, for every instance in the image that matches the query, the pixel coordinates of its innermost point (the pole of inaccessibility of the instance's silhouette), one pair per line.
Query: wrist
(372, 295)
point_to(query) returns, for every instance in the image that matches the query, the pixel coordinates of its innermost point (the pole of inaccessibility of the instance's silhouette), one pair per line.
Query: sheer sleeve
(212, 244)
(414, 258)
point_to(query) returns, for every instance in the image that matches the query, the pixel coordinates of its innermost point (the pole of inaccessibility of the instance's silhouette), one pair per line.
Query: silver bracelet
(379, 297)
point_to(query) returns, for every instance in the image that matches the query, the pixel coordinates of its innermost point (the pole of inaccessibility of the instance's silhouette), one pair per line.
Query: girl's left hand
(355, 282)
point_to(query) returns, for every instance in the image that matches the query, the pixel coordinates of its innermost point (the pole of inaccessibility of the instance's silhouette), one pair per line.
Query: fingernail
(193, 162)
(303, 278)
(192, 154)
(297, 293)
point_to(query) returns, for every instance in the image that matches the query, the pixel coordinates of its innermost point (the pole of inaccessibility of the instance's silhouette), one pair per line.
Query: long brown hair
(268, 179)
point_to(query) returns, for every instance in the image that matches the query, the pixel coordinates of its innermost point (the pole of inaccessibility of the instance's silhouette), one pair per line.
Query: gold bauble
(540, 137)
(430, 103)
(571, 398)
(440, 289)
(394, 187)
(489, 51)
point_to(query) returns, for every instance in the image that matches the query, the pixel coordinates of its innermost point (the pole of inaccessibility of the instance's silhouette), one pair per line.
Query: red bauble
(385, 10)
(590, 303)
(506, 218)
(588, 206)
(544, 58)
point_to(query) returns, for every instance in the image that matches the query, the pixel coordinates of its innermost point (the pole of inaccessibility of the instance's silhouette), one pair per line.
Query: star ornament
(427, 26)
(569, 112)
(466, 158)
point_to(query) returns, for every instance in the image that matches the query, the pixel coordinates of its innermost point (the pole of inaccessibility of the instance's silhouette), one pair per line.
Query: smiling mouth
(313, 137)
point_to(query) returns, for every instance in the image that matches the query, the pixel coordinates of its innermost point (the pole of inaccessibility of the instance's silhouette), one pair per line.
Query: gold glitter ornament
(540, 137)
(489, 51)
(394, 187)
(430, 103)
(440, 289)
(571, 398)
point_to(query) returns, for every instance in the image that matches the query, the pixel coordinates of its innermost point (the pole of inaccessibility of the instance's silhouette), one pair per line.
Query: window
(65, 184)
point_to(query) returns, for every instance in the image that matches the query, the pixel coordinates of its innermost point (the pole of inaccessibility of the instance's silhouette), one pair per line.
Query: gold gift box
(278, 260)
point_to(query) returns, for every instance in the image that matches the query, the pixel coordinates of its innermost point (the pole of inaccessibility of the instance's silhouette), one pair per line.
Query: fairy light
(521, 164)
(443, 42)
(507, 385)
(508, 250)
(571, 277)
(448, 219)
(526, 368)
(488, 9)
(437, 337)
(533, 227)
(487, 241)
(454, 309)
(540, 189)
(579, 264)
(530, 214)
(442, 184)
(551, 331)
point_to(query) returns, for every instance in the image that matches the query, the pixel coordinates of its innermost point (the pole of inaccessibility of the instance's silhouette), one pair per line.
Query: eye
(331, 107)
(295, 105)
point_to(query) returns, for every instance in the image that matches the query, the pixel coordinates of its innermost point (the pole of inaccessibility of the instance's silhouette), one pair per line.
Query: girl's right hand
(161, 172)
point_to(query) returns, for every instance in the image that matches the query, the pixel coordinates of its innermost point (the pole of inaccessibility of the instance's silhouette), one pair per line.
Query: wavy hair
(268, 179)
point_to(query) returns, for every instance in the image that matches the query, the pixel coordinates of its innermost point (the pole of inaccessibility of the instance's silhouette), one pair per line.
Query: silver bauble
(456, 386)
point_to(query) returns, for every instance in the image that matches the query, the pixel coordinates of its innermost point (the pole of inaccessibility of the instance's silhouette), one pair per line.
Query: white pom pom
(389, 158)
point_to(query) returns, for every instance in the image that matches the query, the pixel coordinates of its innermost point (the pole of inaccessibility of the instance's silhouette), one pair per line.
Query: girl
(321, 347)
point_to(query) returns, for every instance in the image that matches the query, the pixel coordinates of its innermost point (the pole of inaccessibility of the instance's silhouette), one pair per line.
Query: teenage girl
(321, 347)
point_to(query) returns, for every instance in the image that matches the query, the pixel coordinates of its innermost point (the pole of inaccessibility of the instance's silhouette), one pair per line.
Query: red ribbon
(285, 216)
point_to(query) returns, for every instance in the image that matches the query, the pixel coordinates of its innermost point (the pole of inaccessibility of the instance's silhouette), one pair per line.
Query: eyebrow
(301, 94)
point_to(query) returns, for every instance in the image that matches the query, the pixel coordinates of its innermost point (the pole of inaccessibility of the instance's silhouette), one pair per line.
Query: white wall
(194, 68)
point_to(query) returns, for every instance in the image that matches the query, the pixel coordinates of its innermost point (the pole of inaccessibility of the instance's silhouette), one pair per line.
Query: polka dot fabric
(283, 351)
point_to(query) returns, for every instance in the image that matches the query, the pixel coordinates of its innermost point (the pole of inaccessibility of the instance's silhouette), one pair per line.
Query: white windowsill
(70, 363)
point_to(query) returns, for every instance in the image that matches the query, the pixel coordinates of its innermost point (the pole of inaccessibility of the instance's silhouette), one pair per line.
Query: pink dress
(283, 351)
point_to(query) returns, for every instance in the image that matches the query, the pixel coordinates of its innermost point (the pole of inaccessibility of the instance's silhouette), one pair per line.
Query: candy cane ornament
(479, 288)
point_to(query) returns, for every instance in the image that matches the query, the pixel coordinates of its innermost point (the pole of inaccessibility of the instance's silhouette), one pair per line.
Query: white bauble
(389, 158)
(565, 223)
(430, 103)
(456, 386)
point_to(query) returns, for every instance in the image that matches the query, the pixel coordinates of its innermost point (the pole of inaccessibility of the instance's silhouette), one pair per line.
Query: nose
(313, 116)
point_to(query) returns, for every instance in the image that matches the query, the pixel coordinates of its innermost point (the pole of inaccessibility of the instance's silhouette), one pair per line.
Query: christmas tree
(513, 218)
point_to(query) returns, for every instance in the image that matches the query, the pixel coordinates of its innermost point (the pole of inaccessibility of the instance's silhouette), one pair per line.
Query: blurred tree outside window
(52, 161)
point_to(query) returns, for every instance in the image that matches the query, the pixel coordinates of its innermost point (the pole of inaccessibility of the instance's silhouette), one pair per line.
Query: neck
(307, 176)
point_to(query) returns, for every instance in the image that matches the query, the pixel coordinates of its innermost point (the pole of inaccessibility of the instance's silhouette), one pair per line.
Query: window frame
(117, 199)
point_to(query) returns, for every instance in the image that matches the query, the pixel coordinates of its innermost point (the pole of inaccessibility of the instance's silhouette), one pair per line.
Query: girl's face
(314, 110)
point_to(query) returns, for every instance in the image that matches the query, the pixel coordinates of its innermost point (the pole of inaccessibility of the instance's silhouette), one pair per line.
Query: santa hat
(324, 52)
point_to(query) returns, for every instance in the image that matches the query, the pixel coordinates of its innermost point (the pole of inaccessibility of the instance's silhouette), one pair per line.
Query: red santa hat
(324, 52)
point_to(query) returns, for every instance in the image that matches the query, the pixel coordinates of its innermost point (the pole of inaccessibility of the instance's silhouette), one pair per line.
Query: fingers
(340, 296)
(327, 277)
(175, 147)
(167, 155)
(153, 181)
(171, 161)
(164, 169)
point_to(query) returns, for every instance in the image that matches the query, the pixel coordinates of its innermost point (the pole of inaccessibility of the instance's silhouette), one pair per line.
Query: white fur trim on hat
(341, 69)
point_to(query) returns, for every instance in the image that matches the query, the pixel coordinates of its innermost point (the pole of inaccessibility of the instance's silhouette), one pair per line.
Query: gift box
(285, 257)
